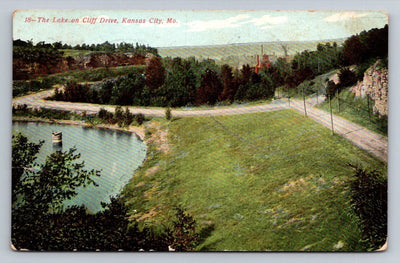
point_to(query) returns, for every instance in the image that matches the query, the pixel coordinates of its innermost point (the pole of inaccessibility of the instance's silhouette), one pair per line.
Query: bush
(139, 118)
(23, 87)
(184, 235)
(168, 114)
(369, 201)
(346, 78)
(106, 116)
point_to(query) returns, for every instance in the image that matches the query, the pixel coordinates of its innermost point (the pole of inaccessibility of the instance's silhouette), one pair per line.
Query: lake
(117, 154)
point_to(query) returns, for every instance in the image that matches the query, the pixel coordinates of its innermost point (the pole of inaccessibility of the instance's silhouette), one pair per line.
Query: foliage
(39, 220)
(40, 190)
(229, 83)
(122, 117)
(175, 82)
(184, 236)
(26, 54)
(369, 201)
(331, 89)
(209, 89)
(74, 92)
(361, 47)
(168, 114)
(155, 74)
(346, 78)
(24, 111)
(325, 58)
(23, 87)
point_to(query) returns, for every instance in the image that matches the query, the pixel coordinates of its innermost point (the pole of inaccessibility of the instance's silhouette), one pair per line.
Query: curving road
(365, 139)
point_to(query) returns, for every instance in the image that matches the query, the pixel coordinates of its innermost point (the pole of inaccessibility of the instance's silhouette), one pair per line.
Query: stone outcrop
(375, 85)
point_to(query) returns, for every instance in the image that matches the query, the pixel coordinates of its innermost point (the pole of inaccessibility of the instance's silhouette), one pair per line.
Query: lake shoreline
(138, 131)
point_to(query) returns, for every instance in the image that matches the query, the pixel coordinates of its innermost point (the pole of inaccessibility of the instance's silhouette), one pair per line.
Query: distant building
(264, 62)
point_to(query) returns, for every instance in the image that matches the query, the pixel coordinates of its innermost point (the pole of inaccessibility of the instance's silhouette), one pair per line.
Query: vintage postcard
(194, 130)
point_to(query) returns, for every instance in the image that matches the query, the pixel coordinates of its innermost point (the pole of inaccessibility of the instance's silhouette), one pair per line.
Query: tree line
(175, 82)
(105, 46)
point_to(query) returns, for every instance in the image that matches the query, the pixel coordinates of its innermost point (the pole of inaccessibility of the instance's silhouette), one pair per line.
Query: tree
(210, 88)
(346, 78)
(155, 73)
(40, 190)
(331, 88)
(369, 201)
(354, 51)
(23, 157)
(180, 85)
(229, 84)
(76, 92)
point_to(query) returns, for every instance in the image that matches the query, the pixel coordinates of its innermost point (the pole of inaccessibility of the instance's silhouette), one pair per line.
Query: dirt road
(365, 139)
(37, 100)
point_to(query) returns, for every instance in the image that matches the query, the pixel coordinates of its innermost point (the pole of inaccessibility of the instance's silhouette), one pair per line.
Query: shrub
(369, 201)
(168, 114)
(128, 117)
(184, 235)
(346, 78)
(139, 118)
(106, 115)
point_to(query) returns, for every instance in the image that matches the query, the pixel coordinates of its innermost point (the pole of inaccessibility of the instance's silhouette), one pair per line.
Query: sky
(190, 28)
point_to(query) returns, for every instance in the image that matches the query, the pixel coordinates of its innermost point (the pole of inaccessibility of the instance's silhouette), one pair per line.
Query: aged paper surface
(199, 130)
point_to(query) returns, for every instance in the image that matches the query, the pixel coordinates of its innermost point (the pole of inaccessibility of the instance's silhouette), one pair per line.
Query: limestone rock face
(375, 85)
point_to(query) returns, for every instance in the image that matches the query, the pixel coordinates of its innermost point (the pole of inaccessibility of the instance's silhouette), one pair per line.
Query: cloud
(201, 25)
(268, 20)
(342, 16)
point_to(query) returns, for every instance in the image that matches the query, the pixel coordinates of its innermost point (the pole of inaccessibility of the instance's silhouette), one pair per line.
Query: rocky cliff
(23, 69)
(375, 85)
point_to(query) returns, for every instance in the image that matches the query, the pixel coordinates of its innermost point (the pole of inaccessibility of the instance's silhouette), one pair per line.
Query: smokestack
(262, 50)
(258, 60)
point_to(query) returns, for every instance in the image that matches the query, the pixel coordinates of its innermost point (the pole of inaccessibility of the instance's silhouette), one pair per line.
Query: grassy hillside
(266, 181)
(240, 53)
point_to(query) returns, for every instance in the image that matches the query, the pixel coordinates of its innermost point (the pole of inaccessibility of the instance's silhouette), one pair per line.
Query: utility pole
(304, 101)
(369, 113)
(330, 106)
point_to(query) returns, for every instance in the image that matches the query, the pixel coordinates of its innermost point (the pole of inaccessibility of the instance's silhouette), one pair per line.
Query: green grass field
(75, 53)
(265, 181)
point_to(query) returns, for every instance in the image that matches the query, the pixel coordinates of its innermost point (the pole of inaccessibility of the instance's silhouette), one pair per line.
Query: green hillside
(241, 53)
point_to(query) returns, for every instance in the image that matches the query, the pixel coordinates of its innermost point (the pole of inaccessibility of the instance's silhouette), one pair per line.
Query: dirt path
(37, 100)
(365, 139)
